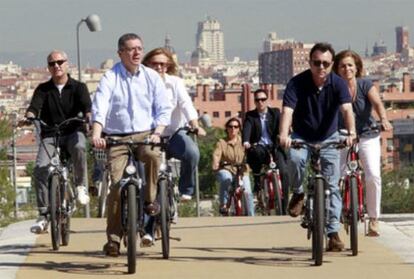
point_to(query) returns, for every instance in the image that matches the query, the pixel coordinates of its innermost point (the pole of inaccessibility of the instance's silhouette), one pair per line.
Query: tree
(207, 178)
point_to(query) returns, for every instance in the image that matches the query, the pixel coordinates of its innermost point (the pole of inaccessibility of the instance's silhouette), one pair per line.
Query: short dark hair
(126, 37)
(260, 91)
(322, 47)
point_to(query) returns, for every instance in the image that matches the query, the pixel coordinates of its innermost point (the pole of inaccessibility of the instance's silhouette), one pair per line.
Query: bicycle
(104, 183)
(270, 194)
(352, 191)
(237, 204)
(131, 200)
(318, 198)
(61, 189)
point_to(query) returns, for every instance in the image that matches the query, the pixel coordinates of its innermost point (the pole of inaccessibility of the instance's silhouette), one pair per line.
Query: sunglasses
(318, 63)
(161, 64)
(59, 62)
(260, 99)
(233, 126)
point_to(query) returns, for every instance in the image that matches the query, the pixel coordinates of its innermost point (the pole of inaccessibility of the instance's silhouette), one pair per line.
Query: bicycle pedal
(304, 225)
(175, 238)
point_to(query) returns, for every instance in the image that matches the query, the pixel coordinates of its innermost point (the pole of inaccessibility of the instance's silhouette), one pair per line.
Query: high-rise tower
(402, 38)
(210, 38)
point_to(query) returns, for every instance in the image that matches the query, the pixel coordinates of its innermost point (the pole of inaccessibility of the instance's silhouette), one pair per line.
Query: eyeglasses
(132, 49)
(233, 126)
(59, 62)
(160, 64)
(318, 63)
(260, 99)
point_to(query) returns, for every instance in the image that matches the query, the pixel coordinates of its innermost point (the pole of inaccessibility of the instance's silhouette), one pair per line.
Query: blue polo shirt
(315, 116)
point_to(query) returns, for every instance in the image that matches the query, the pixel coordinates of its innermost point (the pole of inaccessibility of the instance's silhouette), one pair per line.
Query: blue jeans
(330, 170)
(182, 147)
(225, 179)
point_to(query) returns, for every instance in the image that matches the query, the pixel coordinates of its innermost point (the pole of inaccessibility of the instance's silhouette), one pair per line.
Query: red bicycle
(352, 191)
(270, 194)
(237, 204)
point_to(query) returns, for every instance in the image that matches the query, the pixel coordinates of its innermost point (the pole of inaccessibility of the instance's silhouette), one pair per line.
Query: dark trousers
(259, 155)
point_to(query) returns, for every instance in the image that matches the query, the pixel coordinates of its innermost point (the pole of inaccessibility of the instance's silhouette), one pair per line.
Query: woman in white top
(181, 146)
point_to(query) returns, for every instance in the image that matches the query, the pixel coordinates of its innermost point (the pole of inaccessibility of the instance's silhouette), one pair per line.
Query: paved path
(261, 247)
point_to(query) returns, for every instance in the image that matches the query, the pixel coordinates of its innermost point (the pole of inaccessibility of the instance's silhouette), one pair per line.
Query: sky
(29, 29)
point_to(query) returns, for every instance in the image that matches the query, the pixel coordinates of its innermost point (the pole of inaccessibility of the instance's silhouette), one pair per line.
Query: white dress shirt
(126, 103)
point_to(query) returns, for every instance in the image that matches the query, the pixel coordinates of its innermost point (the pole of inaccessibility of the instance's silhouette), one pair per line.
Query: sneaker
(40, 226)
(185, 198)
(83, 197)
(373, 227)
(296, 204)
(111, 248)
(147, 241)
(335, 244)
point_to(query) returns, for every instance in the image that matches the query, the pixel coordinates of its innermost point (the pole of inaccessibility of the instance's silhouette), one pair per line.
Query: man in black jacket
(260, 131)
(54, 101)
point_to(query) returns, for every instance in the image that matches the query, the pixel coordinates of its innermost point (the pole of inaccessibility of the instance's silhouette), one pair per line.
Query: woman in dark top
(365, 97)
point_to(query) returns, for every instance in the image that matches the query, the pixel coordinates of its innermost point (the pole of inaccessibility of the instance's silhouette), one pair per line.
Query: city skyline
(30, 29)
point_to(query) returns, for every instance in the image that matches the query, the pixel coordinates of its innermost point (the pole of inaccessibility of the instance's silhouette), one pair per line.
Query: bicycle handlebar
(298, 144)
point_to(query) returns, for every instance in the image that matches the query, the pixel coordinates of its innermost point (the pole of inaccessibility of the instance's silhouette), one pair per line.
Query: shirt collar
(126, 73)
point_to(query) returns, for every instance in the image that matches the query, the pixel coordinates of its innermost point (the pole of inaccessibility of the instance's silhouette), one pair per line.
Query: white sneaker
(82, 195)
(185, 198)
(147, 241)
(40, 226)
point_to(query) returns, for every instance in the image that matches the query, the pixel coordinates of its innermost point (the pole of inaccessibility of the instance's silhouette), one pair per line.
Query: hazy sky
(35, 26)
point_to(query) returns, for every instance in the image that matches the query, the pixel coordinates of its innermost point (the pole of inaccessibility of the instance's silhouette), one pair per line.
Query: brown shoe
(152, 208)
(335, 244)
(296, 204)
(373, 227)
(111, 248)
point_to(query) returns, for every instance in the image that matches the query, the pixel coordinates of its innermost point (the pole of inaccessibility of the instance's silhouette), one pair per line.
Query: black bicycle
(104, 183)
(317, 204)
(61, 188)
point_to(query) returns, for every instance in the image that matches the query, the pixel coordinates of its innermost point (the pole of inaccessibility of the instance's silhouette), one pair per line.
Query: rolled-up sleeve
(162, 104)
(101, 100)
(185, 102)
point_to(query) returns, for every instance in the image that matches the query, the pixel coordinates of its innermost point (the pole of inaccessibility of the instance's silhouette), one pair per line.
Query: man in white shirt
(131, 103)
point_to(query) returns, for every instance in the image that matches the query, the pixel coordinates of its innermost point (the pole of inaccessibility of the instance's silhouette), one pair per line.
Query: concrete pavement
(211, 248)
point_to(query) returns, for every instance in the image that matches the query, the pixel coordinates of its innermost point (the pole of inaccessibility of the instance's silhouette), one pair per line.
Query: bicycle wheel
(55, 210)
(244, 204)
(132, 228)
(278, 193)
(318, 221)
(102, 194)
(353, 216)
(165, 218)
(265, 198)
(67, 205)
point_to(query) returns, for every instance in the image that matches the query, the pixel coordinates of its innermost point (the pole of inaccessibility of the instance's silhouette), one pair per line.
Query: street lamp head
(93, 22)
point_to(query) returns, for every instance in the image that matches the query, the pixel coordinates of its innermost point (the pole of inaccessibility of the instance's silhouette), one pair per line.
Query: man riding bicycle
(130, 103)
(53, 102)
(311, 104)
(260, 131)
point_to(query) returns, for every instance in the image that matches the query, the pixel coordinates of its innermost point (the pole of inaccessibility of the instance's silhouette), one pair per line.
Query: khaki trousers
(118, 159)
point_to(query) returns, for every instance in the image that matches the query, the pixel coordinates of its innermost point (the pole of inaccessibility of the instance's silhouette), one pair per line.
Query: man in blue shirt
(311, 104)
(130, 103)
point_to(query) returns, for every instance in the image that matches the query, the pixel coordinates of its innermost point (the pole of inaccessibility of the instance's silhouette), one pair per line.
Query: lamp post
(94, 24)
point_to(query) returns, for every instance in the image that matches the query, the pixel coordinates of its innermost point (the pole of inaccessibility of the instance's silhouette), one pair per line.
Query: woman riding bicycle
(231, 151)
(365, 97)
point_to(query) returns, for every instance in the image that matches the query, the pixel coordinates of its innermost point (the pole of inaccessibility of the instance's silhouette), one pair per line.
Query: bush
(397, 194)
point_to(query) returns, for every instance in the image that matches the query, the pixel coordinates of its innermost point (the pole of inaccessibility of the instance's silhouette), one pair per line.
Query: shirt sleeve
(37, 101)
(85, 98)
(290, 96)
(184, 101)
(162, 105)
(101, 100)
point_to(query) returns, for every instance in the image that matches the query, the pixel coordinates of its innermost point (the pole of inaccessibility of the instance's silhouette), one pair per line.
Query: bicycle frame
(236, 191)
(354, 170)
(316, 215)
